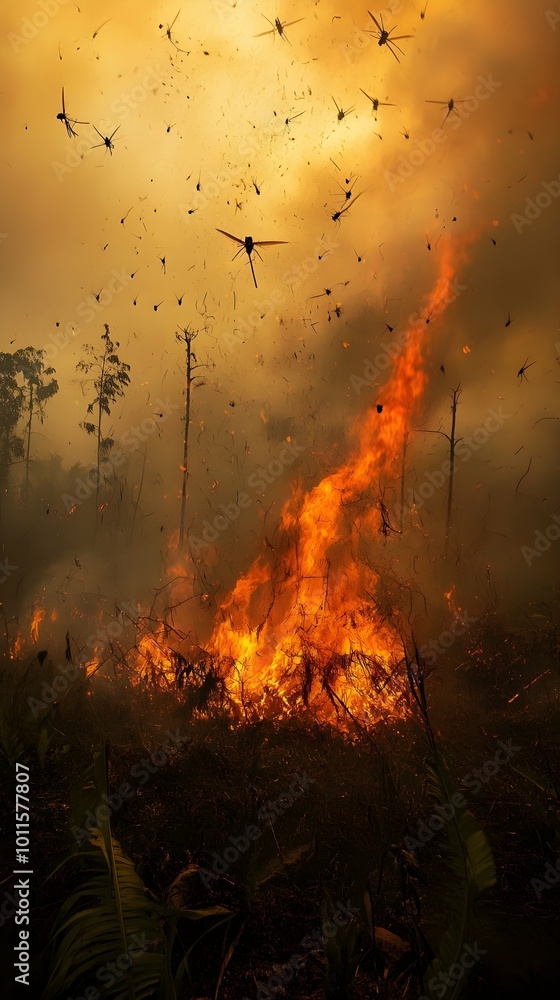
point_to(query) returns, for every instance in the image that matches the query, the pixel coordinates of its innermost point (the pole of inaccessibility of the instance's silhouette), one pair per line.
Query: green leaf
(472, 869)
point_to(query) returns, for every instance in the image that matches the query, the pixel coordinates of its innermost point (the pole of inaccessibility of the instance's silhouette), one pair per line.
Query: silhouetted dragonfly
(69, 122)
(450, 105)
(107, 140)
(384, 36)
(279, 27)
(249, 245)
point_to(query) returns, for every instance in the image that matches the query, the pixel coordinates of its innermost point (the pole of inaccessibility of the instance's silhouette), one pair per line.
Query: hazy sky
(213, 116)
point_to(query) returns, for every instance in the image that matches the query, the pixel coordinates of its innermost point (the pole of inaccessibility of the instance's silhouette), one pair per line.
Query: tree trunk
(99, 418)
(186, 446)
(452, 443)
(28, 450)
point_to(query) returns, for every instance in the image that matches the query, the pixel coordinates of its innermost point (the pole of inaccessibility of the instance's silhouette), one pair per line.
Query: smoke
(198, 133)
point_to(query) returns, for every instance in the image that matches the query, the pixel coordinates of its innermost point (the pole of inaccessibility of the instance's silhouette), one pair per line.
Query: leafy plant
(24, 388)
(11, 408)
(111, 920)
(37, 389)
(109, 382)
(467, 851)
(471, 866)
(344, 951)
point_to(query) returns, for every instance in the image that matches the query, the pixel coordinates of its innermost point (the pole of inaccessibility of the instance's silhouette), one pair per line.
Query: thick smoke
(198, 134)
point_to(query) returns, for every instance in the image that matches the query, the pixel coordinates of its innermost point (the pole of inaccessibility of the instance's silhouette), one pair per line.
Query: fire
(38, 616)
(16, 647)
(154, 659)
(301, 628)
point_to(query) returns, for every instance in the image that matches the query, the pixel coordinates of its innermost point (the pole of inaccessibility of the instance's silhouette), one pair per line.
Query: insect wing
(230, 237)
(375, 21)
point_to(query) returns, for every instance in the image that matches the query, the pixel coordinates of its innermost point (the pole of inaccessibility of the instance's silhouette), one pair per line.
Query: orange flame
(38, 616)
(301, 627)
(153, 657)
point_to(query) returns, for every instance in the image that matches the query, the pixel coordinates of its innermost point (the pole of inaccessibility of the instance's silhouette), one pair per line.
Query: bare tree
(453, 442)
(192, 380)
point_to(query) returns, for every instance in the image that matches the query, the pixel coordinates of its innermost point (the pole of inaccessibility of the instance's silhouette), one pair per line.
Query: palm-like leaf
(261, 870)
(471, 864)
(112, 915)
(109, 916)
(343, 953)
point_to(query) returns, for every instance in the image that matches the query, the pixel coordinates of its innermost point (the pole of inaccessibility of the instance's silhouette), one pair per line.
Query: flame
(154, 659)
(301, 629)
(38, 616)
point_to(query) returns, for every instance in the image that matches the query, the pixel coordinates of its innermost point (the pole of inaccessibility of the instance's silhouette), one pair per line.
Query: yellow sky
(215, 117)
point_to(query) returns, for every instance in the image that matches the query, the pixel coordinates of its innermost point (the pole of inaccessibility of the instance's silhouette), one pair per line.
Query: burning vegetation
(279, 609)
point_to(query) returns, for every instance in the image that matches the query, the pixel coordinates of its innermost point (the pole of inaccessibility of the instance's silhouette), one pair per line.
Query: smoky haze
(202, 144)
